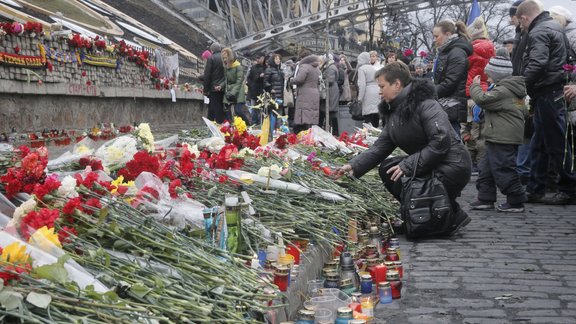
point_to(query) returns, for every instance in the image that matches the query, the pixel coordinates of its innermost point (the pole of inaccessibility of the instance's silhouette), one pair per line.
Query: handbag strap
(415, 166)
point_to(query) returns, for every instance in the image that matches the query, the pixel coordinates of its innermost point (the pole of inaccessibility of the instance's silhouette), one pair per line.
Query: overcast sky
(568, 4)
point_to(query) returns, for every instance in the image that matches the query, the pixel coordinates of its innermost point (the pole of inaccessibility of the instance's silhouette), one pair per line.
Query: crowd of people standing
(508, 106)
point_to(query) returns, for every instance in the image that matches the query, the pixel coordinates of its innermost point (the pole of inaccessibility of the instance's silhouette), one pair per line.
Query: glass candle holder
(281, 278)
(385, 292)
(366, 284)
(396, 285)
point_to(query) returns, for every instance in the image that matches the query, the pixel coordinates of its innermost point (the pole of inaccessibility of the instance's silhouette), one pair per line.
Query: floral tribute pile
(130, 231)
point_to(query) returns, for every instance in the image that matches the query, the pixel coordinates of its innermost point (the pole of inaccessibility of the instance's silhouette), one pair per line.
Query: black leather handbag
(355, 109)
(425, 206)
(455, 108)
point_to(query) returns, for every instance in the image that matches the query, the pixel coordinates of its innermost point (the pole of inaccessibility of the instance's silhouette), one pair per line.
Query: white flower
(117, 152)
(23, 209)
(245, 151)
(67, 188)
(273, 171)
(192, 148)
(145, 135)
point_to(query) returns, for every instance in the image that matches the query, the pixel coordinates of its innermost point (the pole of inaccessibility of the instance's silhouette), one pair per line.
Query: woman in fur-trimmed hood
(416, 123)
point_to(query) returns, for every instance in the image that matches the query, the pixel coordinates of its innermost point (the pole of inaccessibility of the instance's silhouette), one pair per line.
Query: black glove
(231, 98)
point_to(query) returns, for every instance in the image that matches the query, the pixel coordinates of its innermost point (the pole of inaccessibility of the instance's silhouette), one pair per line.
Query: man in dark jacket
(214, 83)
(542, 68)
(518, 49)
(255, 81)
(519, 41)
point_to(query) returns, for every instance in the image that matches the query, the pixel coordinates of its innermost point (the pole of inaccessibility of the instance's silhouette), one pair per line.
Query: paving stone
(548, 283)
(532, 304)
(435, 279)
(428, 319)
(472, 303)
(492, 312)
(515, 294)
(477, 287)
(426, 310)
(555, 320)
(538, 313)
(567, 297)
(433, 285)
(527, 258)
(484, 280)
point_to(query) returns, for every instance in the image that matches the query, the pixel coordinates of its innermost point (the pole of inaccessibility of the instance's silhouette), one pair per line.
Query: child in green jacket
(504, 111)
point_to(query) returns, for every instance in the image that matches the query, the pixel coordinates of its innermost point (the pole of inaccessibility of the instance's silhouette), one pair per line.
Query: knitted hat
(503, 52)
(561, 11)
(478, 29)
(215, 47)
(515, 7)
(498, 68)
(508, 41)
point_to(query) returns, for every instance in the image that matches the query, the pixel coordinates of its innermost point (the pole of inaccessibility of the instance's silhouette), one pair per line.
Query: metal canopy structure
(251, 25)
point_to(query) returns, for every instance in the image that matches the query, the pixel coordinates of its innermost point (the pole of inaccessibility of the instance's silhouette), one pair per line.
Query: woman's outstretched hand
(397, 173)
(343, 170)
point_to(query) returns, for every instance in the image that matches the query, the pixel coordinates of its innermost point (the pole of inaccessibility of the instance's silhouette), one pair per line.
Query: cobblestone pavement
(502, 268)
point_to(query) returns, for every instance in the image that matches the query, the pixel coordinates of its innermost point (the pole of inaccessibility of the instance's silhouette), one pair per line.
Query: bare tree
(422, 22)
(373, 14)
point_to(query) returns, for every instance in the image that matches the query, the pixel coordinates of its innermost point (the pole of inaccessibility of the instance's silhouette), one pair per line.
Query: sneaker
(510, 208)
(481, 205)
(461, 219)
(535, 198)
(560, 198)
(475, 170)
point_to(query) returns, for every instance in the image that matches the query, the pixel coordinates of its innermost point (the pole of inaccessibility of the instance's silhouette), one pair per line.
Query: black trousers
(498, 170)
(373, 119)
(453, 189)
(548, 148)
(333, 121)
(216, 107)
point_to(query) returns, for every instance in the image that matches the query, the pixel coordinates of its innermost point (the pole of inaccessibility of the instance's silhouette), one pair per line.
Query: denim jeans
(547, 147)
(523, 160)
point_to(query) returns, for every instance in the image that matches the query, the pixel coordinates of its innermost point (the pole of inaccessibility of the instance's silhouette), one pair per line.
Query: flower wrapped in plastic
(155, 198)
(76, 159)
(117, 152)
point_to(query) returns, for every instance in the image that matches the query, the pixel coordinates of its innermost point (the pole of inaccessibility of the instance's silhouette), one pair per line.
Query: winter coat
(255, 81)
(483, 50)
(346, 94)
(545, 56)
(274, 80)
(234, 83)
(330, 75)
(570, 31)
(213, 73)
(518, 51)
(427, 130)
(504, 110)
(307, 105)
(368, 90)
(452, 69)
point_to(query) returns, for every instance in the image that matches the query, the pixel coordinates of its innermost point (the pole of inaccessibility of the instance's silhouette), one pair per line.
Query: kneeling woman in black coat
(416, 123)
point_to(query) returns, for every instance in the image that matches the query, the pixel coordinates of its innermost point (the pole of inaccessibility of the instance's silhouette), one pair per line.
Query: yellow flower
(15, 253)
(119, 182)
(45, 238)
(239, 124)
